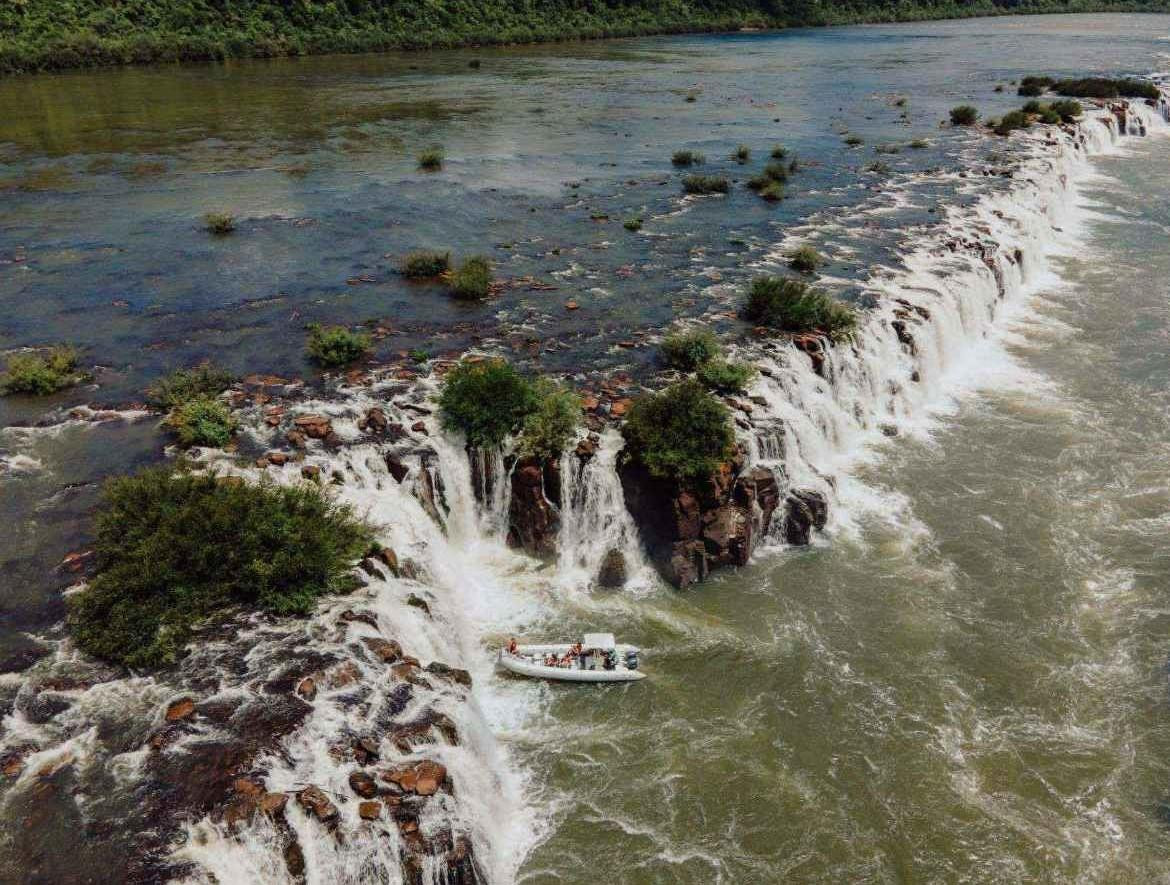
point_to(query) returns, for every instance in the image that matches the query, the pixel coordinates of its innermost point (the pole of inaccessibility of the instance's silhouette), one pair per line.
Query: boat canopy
(600, 641)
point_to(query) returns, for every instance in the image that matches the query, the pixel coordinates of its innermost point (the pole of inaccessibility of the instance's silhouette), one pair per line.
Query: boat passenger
(609, 664)
(550, 660)
(512, 646)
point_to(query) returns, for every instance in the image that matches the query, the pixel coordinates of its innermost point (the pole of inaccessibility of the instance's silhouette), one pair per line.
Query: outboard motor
(631, 660)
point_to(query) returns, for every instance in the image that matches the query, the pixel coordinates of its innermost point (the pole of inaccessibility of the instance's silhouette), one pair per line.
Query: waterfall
(915, 347)
(594, 519)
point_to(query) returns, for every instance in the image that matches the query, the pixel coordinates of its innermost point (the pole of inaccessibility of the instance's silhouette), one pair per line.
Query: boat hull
(522, 667)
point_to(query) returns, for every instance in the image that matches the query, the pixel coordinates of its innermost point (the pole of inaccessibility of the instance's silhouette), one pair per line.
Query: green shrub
(336, 345)
(632, 224)
(687, 350)
(773, 191)
(418, 355)
(202, 421)
(1106, 87)
(184, 385)
(431, 159)
(486, 401)
(552, 426)
(1033, 107)
(680, 433)
(219, 223)
(706, 184)
(963, 115)
(920, 144)
(1049, 117)
(174, 549)
(1068, 109)
(792, 306)
(424, 264)
(1033, 86)
(779, 152)
(741, 154)
(776, 171)
(687, 158)
(806, 259)
(758, 182)
(854, 140)
(1010, 122)
(473, 279)
(725, 376)
(39, 374)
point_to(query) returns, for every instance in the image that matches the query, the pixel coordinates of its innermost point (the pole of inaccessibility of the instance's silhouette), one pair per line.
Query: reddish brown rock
(534, 518)
(387, 650)
(311, 471)
(314, 801)
(184, 708)
(363, 784)
(277, 458)
(307, 688)
(314, 426)
(369, 810)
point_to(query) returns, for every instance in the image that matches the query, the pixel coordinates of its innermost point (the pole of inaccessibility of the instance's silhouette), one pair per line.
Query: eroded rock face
(613, 573)
(694, 527)
(804, 511)
(534, 517)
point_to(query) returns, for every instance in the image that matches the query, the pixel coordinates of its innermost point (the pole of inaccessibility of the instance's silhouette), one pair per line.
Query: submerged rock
(612, 574)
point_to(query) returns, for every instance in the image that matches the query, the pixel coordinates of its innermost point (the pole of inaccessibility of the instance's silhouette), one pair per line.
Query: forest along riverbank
(363, 742)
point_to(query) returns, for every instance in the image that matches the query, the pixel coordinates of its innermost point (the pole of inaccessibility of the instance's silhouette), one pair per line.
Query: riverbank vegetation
(488, 400)
(473, 279)
(425, 264)
(40, 374)
(702, 185)
(333, 346)
(699, 351)
(38, 35)
(680, 433)
(202, 421)
(793, 306)
(174, 548)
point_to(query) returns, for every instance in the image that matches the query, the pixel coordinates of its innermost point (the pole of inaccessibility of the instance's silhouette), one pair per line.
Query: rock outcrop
(534, 517)
(804, 510)
(691, 528)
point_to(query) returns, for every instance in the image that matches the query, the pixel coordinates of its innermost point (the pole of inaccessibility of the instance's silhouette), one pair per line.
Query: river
(963, 679)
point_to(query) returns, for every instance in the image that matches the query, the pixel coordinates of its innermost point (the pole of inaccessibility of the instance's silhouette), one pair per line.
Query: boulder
(397, 468)
(612, 574)
(184, 708)
(363, 784)
(314, 426)
(691, 527)
(804, 511)
(314, 801)
(448, 672)
(369, 810)
(533, 516)
(387, 650)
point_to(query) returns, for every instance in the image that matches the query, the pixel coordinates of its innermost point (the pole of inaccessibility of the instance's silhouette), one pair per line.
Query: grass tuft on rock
(964, 115)
(687, 350)
(680, 433)
(219, 224)
(725, 376)
(1067, 108)
(741, 154)
(336, 345)
(779, 152)
(473, 279)
(175, 548)
(425, 264)
(1011, 121)
(431, 159)
(632, 224)
(40, 374)
(184, 385)
(806, 259)
(687, 158)
(202, 421)
(793, 306)
(705, 184)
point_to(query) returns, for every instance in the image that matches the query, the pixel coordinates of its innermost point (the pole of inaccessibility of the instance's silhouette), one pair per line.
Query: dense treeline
(56, 34)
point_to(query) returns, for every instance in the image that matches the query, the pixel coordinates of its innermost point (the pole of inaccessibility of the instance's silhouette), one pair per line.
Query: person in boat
(550, 660)
(512, 646)
(609, 664)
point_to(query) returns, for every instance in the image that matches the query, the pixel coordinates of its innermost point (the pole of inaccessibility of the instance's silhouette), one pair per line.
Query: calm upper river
(965, 681)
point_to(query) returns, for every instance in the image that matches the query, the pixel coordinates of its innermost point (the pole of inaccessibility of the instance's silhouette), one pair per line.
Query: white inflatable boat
(600, 660)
